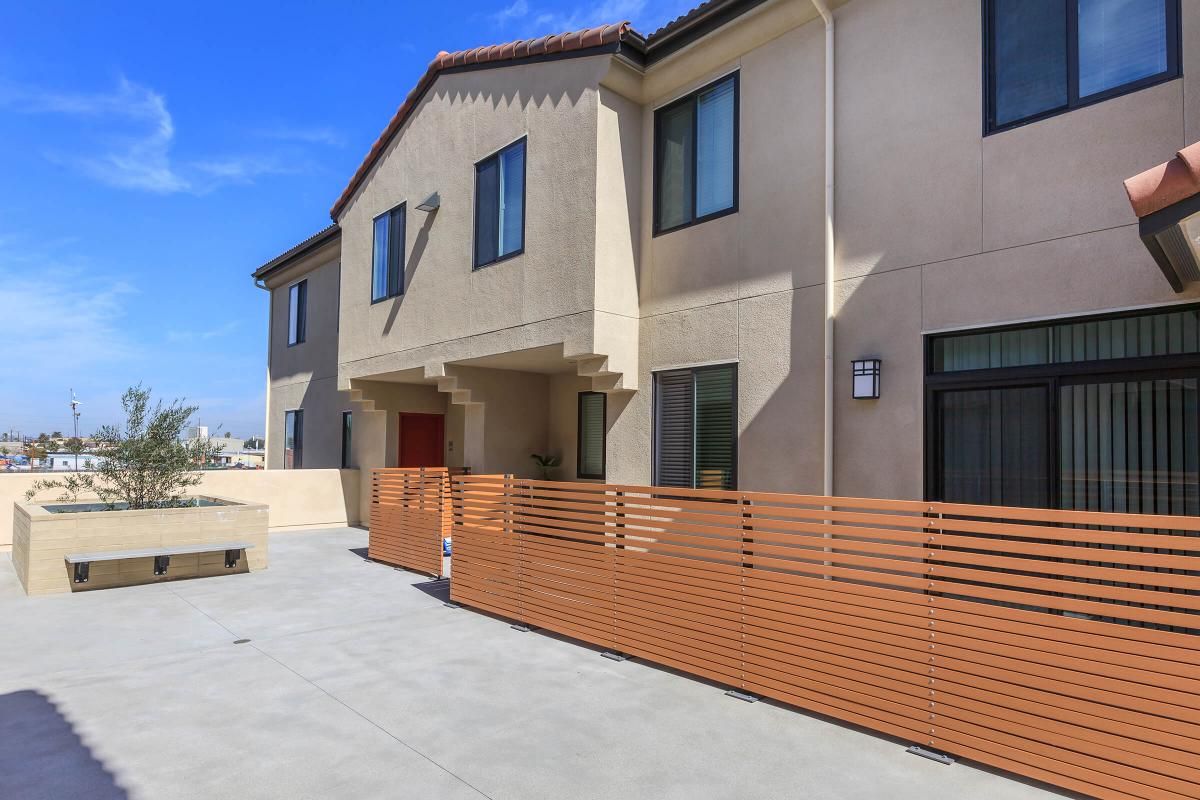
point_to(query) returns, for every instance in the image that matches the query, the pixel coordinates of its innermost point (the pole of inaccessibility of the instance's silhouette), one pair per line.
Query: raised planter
(45, 533)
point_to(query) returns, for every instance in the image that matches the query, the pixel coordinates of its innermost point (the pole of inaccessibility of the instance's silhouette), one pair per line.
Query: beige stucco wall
(937, 226)
(296, 498)
(304, 376)
(450, 311)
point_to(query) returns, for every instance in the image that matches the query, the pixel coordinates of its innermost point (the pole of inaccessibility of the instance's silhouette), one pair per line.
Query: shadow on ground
(43, 757)
(438, 590)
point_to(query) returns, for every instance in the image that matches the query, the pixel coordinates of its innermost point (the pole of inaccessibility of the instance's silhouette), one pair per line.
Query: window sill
(385, 299)
(1091, 100)
(500, 260)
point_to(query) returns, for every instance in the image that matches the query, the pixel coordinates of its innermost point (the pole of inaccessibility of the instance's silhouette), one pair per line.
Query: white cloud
(305, 135)
(132, 147)
(518, 10)
(535, 20)
(179, 337)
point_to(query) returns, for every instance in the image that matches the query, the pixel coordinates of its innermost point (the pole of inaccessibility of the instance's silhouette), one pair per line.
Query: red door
(421, 440)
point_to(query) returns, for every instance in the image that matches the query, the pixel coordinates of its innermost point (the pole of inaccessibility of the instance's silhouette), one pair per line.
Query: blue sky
(153, 155)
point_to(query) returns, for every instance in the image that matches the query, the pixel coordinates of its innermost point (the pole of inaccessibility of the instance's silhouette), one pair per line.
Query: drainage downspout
(827, 459)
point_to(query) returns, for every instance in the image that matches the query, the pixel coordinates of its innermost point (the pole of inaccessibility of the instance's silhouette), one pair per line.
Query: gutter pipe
(827, 455)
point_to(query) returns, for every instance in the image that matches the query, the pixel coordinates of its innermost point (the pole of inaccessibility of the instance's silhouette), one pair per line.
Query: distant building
(66, 462)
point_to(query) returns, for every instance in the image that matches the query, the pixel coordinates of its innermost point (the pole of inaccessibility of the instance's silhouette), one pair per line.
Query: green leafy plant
(547, 464)
(143, 463)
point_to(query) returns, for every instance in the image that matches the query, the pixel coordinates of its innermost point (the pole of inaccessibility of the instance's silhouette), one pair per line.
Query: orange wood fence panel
(1060, 645)
(410, 515)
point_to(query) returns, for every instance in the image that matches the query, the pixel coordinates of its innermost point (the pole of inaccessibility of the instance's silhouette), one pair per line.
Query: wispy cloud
(536, 17)
(305, 135)
(179, 337)
(133, 144)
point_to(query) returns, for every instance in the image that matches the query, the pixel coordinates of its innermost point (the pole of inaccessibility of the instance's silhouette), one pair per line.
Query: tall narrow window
(500, 205)
(591, 431)
(297, 312)
(387, 261)
(696, 156)
(293, 439)
(695, 427)
(1046, 56)
(347, 419)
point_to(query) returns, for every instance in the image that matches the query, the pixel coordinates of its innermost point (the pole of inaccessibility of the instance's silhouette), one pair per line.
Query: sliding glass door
(1097, 414)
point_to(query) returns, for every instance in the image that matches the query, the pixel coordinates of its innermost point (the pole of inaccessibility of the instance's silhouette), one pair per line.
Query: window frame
(659, 112)
(1052, 376)
(298, 436)
(495, 156)
(347, 432)
(579, 473)
(301, 288)
(735, 402)
(389, 294)
(1074, 101)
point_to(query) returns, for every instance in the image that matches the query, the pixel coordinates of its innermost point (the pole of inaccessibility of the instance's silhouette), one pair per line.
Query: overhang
(1166, 199)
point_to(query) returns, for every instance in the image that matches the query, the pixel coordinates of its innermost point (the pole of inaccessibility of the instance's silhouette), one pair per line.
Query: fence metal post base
(932, 755)
(522, 627)
(613, 655)
(745, 697)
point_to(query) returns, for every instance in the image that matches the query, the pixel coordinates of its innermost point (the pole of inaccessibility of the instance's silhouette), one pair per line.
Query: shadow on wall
(43, 757)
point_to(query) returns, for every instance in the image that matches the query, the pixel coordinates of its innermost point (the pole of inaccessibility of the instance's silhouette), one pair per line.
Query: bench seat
(182, 550)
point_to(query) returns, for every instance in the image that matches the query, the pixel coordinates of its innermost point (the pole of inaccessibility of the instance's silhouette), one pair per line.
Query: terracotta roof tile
(1166, 184)
(510, 51)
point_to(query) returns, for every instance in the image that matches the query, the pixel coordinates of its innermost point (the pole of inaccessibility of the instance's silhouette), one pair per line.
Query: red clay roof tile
(1166, 184)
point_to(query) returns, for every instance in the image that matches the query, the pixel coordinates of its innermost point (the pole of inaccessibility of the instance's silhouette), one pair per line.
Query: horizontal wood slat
(1060, 645)
(410, 515)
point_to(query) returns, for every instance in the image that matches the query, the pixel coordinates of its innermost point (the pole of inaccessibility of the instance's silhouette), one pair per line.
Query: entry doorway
(422, 440)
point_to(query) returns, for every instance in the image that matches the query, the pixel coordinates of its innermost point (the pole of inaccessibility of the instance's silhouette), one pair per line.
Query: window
(500, 205)
(592, 432)
(695, 427)
(1097, 414)
(696, 157)
(293, 439)
(297, 312)
(387, 263)
(1049, 56)
(346, 420)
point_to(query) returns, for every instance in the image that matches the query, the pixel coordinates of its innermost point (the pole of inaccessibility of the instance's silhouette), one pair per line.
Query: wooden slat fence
(410, 514)
(1060, 645)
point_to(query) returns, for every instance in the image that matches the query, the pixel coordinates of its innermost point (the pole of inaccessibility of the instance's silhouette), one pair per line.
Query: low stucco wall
(296, 498)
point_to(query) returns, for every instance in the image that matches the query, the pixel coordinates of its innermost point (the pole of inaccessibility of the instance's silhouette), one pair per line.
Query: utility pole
(75, 414)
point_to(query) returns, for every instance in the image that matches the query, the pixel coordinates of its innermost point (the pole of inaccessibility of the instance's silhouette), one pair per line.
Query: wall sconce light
(866, 378)
(431, 203)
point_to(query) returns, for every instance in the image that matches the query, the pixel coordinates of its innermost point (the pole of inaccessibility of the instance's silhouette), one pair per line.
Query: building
(677, 258)
(70, 462)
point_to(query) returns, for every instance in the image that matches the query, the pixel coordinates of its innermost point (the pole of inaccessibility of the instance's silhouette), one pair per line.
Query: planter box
(42, 539)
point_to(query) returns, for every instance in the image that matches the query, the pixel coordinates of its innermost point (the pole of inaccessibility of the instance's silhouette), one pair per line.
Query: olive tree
(142, 463)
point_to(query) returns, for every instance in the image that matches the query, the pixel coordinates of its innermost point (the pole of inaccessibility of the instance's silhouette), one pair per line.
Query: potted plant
(547, 464)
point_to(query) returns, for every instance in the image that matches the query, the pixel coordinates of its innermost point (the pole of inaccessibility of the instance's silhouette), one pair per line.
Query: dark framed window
(696, 157)
(1096, 414)
(695, 427)
(293, 439)
(592, 435)
(500, 205)
(347, 420)
(297, 312)
(1044, 57)
(387, 259)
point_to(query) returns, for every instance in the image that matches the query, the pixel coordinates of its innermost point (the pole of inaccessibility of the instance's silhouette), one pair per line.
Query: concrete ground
(358, 683)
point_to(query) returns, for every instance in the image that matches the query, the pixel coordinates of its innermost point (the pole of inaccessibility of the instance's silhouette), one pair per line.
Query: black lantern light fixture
(866, 378)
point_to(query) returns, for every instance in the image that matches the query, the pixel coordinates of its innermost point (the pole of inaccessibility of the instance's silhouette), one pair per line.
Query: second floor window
(1048, 56)
(696, 156)
(500, 205)
(387, 261)
(297, 312)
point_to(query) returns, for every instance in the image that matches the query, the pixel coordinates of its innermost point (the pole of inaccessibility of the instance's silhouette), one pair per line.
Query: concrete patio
(356, 682)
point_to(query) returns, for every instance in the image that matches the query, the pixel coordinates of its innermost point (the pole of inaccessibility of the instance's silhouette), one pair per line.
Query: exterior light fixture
(1166, 200)
(866, 378)
(431, 203)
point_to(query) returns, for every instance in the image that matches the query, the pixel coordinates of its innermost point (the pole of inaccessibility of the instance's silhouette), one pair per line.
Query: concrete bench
(162, 556)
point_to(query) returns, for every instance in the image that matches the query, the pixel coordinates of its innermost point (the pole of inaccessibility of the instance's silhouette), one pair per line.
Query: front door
(421, 440)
